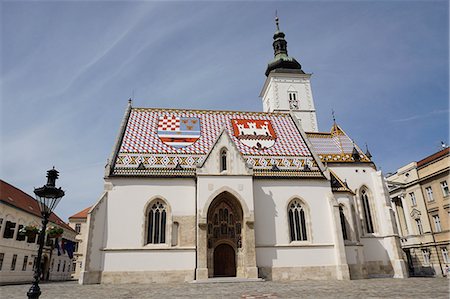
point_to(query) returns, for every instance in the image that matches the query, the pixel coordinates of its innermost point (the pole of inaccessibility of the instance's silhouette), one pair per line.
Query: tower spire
(281, 59)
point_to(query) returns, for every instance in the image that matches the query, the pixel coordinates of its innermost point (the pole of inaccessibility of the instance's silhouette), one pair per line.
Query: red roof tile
(81, 214)
(433, 157)
(13, 196)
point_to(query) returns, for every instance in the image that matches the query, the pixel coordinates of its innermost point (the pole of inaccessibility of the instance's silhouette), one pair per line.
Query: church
(191, 195)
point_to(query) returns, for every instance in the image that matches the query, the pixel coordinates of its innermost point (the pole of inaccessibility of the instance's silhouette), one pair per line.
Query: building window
(32, 238)
(34, 262)
(64, 266)
(20, 236)
(444, 252)
(74, 266)
(53, 265)
(343, 225)
(76, 246)
(444, 187)
(297, 221)
(437, 223)
(59, 266)
(9, 230)
(429, 193)
(367, 212)
(223, 160)
(25, 262)
(293, 101)
(13, 263)
(419, 226)
(426, 256)
(78, 227)
(2, 256)
(413, 198)
(1, 223)
(156, 231)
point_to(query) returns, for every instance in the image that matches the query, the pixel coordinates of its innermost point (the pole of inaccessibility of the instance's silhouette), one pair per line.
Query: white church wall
(271, 204)
(97, 224)
(129, 198)
(211, 186)
(275, 96)
(387, 260)
(150, 260)
(295, 256)
(277, 257)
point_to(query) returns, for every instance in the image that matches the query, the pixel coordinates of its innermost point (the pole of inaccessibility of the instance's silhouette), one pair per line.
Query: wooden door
(224, 261)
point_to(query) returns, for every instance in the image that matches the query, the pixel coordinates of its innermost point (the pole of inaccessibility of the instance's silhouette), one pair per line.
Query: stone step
(227, 280)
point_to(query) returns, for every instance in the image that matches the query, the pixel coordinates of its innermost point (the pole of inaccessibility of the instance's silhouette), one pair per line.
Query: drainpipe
(196, 229)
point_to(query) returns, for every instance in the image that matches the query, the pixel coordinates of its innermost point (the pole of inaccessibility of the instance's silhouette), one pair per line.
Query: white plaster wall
(211, 186)
(361, 175)
(150, 260)
(127, 202)
(275, 97)
(271, 201)
(378, 246)
(375, 249)
(295, 256)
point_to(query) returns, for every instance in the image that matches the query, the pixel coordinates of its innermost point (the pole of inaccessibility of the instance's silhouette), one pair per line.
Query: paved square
(366, 288)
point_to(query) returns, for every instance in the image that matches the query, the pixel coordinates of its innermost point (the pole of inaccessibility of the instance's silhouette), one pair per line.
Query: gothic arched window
(157, 218)
(343, 224)
(223, 160)
(367, 213)
(297, 221)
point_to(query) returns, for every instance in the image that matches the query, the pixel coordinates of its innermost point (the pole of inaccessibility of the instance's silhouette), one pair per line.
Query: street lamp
(48, 198)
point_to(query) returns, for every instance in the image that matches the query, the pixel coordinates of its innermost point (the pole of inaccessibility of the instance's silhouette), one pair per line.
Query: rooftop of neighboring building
(16, 198)
(433, 157)
(81, 214)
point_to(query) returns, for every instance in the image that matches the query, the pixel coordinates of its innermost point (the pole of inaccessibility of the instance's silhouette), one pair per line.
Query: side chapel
(195, 194)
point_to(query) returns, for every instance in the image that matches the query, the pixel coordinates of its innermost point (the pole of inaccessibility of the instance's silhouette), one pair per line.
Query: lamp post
(48, 197)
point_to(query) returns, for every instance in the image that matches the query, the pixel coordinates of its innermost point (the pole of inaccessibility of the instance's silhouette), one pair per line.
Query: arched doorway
(224, 235)
(224, 261)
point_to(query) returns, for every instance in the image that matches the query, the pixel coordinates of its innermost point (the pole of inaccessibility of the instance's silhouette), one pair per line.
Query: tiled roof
(81, 214)
(338, 185)
(335, 146)
(160, 139)
(13, 196)
(433, 157)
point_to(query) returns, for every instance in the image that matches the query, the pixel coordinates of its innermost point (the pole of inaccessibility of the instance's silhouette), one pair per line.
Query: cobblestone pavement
(367, 288)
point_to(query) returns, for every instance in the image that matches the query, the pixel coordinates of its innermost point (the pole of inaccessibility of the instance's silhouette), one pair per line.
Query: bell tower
(287, 86)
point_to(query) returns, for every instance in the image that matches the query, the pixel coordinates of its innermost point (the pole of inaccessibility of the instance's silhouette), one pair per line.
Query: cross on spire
(277, 20)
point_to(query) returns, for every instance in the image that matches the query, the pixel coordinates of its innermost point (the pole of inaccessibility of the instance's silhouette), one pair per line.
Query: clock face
(293, 104)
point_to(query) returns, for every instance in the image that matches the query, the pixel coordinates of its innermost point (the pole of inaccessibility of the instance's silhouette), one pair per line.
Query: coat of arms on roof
(178, 131)
(257, 134)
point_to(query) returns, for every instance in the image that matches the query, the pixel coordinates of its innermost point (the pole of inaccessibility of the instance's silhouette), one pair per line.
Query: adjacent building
(420, 196)
(20, 219)
(78, 223)
(196, 194)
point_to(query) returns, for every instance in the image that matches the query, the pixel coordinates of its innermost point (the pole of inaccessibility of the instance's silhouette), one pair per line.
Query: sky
(68, 69)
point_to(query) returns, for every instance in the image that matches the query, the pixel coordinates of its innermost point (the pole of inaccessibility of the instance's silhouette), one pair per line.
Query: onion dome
(282, 62)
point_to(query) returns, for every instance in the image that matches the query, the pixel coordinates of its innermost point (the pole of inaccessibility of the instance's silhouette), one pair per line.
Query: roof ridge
(211, 110)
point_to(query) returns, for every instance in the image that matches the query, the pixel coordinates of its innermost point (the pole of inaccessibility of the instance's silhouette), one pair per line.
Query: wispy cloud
(422, 116)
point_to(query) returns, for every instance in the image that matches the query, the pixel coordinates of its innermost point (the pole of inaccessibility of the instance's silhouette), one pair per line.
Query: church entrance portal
(224, 235)
(224, 261)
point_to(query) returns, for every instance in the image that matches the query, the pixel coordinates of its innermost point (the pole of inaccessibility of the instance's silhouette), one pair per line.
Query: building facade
(19, 218)
(420, 197)
(78, 223)
(196, 194)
